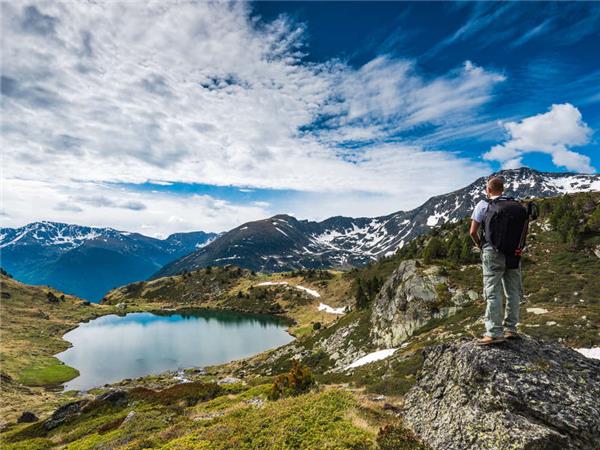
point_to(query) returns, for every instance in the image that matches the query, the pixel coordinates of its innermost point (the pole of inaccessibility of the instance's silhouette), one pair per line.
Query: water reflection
(112, 348)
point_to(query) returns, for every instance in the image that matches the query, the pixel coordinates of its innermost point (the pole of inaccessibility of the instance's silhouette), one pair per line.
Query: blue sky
(165, 117)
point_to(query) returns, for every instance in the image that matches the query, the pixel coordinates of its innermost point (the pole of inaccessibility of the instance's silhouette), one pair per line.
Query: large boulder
(522, 394)
(410, 298)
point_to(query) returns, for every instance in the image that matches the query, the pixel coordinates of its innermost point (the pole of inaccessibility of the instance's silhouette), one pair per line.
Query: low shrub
(298, 380)
(392, 437)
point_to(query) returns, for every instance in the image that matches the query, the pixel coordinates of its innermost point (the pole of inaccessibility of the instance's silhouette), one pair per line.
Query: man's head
(494, 186)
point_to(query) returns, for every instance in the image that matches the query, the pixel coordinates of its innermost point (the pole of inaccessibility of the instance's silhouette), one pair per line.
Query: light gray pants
(498, 280)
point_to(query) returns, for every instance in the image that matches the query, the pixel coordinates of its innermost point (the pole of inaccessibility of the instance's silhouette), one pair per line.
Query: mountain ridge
(88, 261)
(283, 242)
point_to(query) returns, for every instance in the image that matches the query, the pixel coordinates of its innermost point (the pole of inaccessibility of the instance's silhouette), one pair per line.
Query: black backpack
(505, 227)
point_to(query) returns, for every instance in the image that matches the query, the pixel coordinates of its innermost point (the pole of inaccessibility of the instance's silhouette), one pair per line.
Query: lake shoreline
(138, 308)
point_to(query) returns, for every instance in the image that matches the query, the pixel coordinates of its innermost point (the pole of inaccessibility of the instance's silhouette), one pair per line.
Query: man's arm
(474, 232)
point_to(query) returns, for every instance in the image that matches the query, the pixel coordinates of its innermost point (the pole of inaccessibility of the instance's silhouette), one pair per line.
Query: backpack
(505, 227)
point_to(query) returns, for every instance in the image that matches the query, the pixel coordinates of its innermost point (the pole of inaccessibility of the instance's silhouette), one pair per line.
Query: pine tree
(454, 249)
(435, 248)
(362, 301)
(466, 256)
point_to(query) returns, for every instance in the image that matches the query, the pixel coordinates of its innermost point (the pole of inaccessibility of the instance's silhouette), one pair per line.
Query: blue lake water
(111, 348)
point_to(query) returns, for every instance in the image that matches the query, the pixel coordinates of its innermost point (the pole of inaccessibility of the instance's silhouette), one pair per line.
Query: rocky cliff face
(409, 299)
(522, 394)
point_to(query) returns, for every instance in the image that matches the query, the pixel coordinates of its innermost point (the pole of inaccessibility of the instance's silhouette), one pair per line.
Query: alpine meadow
(299, 225)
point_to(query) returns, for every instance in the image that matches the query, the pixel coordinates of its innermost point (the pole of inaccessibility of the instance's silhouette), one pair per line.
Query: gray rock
(116, 397)
(64, 414)
(597, 251)
(408, 300)
(129, 417)
(229, 380)
(522, 394)
(27, 417)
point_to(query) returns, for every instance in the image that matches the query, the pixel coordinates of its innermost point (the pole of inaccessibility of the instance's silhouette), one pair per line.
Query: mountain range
(88, 261)
(284, 243)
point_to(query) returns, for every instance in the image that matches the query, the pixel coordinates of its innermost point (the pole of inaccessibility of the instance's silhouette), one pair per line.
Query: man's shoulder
(481, 205)
(479, 211)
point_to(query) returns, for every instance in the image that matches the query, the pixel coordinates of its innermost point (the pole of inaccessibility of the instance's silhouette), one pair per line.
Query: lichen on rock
(523, 394)
(409, 299)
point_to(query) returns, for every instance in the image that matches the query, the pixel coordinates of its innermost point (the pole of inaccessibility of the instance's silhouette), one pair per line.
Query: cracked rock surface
(522, 394)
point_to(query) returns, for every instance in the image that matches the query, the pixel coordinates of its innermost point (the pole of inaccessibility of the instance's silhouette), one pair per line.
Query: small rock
(121, 306)
(27, 417)
(129, 417)
(5, 378)
(392, 408)
(256, 401)
(229, 380)
(116, 397)
(537, 311)
(551, 323)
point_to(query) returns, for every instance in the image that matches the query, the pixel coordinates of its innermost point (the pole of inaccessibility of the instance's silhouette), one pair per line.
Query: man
(498, 279)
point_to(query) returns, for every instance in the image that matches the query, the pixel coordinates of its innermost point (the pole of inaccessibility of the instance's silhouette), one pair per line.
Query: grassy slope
(202, 415)
(32, 328)
(232, 288)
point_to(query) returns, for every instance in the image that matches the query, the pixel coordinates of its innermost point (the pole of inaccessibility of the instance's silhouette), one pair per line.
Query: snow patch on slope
(331, 310)
(592, 353)
(372, 357)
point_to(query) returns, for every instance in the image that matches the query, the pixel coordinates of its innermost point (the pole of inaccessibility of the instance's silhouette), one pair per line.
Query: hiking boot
(488, 340)
(511, 335)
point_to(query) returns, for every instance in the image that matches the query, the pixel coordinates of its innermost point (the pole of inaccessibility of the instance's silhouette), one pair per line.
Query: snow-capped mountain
(283, 242)
(88, 261)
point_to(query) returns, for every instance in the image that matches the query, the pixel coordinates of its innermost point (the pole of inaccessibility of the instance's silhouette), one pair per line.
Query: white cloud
(392, 95)
(128, 92)
(107, 206)
(552, 132)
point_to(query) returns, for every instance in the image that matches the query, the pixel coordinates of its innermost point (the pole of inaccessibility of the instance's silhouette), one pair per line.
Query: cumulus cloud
(202, 92)
(553, 132)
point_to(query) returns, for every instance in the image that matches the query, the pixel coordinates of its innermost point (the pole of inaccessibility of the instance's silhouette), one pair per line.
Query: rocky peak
(523, 394)
(409, 299)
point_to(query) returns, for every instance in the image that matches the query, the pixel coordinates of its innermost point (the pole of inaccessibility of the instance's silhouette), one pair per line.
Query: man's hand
(474, 232)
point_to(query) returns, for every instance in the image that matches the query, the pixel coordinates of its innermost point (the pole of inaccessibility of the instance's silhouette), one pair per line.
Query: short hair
(495, 184)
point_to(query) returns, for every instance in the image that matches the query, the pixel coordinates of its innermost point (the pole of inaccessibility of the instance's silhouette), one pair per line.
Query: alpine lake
(112, 348)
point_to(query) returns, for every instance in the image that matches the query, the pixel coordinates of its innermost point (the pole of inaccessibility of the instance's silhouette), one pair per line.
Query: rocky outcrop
(64, 414)
(409, 299)
(27, 417)
(522, 394)
(71, 411)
